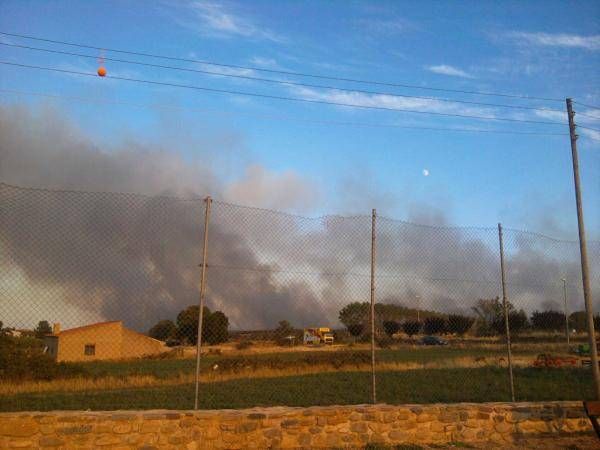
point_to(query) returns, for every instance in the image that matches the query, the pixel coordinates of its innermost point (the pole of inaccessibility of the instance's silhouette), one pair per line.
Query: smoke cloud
(77, 257)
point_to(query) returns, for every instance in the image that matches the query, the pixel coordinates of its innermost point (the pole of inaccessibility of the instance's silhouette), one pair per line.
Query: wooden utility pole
(505, 307)
(208, 201)
(373, 248)
(585, 276)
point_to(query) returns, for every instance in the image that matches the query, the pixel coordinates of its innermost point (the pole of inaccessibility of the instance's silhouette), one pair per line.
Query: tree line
(487, 319)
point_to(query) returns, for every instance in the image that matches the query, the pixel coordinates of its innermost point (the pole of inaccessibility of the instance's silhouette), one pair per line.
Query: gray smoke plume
(77, 257)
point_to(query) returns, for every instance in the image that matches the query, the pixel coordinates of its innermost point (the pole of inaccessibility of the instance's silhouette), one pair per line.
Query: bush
(434, 325)
(163, 330)
(548, 320)
(355, 329)
(517, 321)
(391, 327)
(24, 359)
(411, 327)
(459, 324)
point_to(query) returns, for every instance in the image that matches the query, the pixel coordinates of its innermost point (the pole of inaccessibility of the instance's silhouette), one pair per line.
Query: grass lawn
(414, 386)
(167, 367)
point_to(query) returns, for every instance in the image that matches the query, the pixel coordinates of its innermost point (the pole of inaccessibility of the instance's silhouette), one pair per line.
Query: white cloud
(558, 40)
(267, 63)
(390, 101)
(217, 19)
(444, 69)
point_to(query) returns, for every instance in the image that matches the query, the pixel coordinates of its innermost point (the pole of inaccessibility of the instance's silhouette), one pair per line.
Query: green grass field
(414, 386)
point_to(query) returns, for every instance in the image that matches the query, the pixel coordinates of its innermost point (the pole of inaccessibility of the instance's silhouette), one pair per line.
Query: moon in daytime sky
(425, 172)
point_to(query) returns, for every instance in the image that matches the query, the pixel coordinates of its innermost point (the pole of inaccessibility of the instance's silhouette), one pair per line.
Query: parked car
(433, 340)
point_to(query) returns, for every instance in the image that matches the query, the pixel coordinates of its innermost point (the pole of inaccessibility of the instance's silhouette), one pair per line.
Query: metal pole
(585, 277)
(566, 312)
(419, 308)
(505, 307)
(373, 390)
(208, 201)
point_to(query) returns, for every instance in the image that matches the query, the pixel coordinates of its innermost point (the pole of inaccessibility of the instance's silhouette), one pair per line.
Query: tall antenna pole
(585, 276)
(505, 307)
(373, 249)
(208, 201)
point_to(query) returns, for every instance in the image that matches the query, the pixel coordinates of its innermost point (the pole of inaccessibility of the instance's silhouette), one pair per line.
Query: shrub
(411, 327)
(24, 359)
(163, 330)
(355, 329)
(517, 321)
(434, 325)
(459, 324)
(548, 320)
(391, 327)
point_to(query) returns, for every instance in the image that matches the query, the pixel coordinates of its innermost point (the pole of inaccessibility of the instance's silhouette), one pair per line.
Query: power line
(277, 97)
(279, 117)
(587, 115)
(579, 103)
(588, 128)
(281, 72)
(284, 82)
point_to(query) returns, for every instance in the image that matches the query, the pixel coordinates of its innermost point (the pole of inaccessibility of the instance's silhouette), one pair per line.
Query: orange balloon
(101, 71)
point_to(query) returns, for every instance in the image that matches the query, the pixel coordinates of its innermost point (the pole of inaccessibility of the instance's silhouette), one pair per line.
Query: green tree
(434, 325)
(215, 330)
(391, 327)
(214, 326)
(411, 327)
(163, 330)
(548, 320)
(489, 312)
(355, 313)
(459, 324)
(356, 329)
(517, 322)
(43, 328)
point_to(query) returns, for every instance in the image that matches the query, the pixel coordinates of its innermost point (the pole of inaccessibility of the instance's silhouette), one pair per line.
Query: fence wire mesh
(100, 307)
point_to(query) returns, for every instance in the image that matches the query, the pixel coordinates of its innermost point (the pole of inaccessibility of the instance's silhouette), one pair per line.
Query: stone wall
(282, 427)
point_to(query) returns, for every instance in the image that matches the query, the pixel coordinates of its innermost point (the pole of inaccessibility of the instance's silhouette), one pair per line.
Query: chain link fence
(100, 295)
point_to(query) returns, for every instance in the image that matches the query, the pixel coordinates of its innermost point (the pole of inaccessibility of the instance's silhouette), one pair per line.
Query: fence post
(208, 201)
(505, 308)
(373, 249)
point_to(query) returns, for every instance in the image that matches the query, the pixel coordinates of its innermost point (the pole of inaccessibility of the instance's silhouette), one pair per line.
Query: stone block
(359, 427)
(246, 427)
(106, 440)
(290, 423)
(20, 443)
(272, 433)
(304, 439)
(50, 441)
(122, 428)
(19, 428)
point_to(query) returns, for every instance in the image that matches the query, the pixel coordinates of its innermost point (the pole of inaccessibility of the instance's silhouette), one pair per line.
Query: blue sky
(267, 158)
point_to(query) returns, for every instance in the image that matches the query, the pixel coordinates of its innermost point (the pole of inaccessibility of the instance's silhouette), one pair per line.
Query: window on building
(90, 349)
